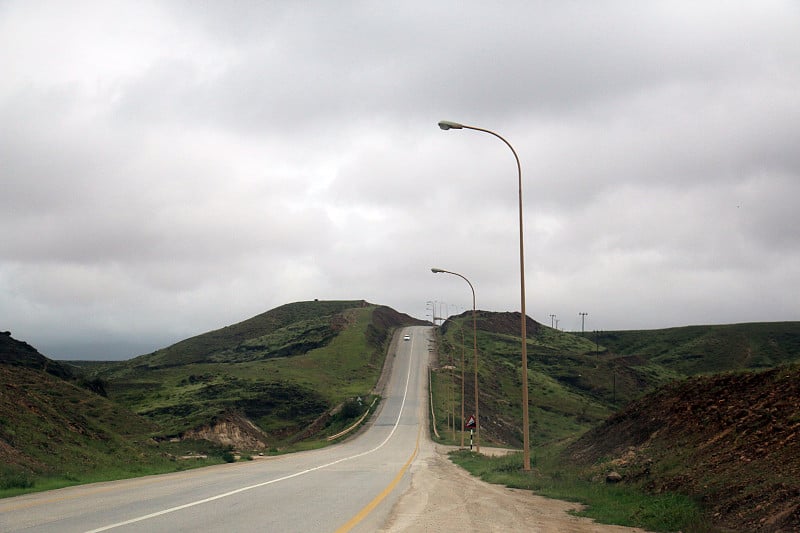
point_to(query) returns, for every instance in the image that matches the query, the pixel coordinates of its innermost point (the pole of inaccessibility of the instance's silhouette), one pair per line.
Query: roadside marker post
(471, 425)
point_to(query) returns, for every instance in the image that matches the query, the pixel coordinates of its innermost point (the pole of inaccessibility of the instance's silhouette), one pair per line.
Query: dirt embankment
(731, 440)
(231, 430)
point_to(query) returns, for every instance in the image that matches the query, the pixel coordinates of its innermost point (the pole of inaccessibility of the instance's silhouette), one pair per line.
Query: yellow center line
(362, 514)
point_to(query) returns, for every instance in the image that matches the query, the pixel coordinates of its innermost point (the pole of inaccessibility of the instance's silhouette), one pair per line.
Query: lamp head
(447, 125)
(437, 270)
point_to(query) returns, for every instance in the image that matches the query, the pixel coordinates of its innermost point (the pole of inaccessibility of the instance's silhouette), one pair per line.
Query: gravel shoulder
(444, 497)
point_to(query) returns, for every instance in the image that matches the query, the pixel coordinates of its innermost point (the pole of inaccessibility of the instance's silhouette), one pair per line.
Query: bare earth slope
(732, 440)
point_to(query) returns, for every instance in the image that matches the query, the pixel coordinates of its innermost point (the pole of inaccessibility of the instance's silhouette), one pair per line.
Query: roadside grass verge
(617, 504)
(16, 484)
(162, 458)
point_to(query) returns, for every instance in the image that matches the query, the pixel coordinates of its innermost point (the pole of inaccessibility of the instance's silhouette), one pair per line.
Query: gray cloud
(170, 168)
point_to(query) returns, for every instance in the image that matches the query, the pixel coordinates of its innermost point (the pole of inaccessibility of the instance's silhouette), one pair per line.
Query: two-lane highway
(347, 487)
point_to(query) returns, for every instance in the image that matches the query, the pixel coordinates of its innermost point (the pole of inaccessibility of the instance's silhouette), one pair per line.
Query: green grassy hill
(46, 421)
(57, 428)
(695, 350)
(290, 329)
(281, 374)
(572, 387)
(576, 381)
(701, 422)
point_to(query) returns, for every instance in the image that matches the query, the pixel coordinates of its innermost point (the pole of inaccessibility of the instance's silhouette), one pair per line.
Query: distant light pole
(433, 310)
(447, 125)
(475, 355)
(552, 319)
(583, 317)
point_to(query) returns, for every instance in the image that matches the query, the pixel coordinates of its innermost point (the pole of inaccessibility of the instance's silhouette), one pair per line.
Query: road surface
(347, 487)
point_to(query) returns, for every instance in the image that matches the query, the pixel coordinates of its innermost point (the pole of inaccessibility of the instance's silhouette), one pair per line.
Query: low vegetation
(617, 504)
(54, 433)
(284, 380)
(699, 422)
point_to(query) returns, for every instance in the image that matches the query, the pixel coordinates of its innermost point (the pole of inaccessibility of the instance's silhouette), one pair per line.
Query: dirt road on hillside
(443, 497)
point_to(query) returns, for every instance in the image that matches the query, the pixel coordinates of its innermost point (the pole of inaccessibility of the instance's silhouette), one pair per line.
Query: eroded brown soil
(732, 441)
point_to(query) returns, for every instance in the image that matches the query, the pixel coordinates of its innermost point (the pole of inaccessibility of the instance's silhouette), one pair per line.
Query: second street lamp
(475, 357)
(448, 125)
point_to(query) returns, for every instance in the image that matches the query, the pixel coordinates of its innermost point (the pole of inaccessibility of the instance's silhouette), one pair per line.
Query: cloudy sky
(171, 167)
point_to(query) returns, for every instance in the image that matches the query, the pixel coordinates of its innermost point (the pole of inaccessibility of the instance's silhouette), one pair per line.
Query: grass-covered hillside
(576, 381)
(290, 329)
(699, 424)
(573, 384)
(57, 428)
(278, 377)
(695, 350)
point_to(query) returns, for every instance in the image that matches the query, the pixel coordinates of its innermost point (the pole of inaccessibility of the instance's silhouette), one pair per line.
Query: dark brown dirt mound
(507, 323)
(731, 440)
(22, 354)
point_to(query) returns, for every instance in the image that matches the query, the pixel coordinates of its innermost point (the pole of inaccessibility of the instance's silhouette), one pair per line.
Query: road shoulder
(444, 497)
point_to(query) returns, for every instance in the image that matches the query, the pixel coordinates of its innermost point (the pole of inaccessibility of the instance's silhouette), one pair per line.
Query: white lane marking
(270, 482)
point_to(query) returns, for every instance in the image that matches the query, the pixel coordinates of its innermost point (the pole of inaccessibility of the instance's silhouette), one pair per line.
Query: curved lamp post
(475, 357)
(447, 125)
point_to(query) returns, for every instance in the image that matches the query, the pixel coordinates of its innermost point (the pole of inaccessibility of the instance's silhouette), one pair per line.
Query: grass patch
(606, 503)
(18, 484)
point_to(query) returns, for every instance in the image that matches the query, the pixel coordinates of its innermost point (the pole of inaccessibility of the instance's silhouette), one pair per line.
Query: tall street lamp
(447, 125)
(475, 357)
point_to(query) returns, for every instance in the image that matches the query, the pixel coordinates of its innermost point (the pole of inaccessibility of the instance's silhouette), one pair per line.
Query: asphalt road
(347, 487)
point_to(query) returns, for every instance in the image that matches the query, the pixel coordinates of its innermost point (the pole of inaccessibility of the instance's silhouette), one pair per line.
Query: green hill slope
(576, 381)
(46, 421)
(707, 411)
(571, 387)
(286, 330)
(54, 431)
(694, 350)
(277, 377)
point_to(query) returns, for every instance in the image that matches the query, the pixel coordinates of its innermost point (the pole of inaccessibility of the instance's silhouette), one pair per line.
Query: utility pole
(583, 317)
(552, 317)
(463, 368)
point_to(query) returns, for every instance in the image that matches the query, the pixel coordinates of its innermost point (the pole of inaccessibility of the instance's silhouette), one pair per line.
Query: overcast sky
(169, 168)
